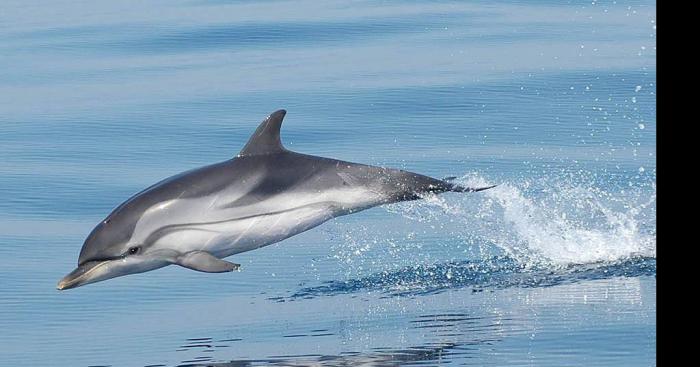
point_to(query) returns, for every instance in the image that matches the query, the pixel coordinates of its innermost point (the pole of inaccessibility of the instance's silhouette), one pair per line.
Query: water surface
(554, 101)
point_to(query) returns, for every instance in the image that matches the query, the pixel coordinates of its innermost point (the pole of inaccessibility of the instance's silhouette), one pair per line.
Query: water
(553, 101)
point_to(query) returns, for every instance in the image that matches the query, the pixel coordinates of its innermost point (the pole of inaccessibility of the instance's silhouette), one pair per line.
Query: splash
(548, 222)
(535, 232)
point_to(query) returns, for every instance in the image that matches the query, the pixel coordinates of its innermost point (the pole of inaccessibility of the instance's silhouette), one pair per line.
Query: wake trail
(548, 222)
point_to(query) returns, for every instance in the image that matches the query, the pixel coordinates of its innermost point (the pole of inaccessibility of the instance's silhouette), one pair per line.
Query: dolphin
(261, 196)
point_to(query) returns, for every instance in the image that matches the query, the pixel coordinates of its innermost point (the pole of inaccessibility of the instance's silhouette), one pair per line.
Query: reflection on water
(424, 355)
(506, 322)
(470, 331)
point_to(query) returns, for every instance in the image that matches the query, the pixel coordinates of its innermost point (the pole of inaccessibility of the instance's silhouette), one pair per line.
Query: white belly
(210, 225)
(259, 231)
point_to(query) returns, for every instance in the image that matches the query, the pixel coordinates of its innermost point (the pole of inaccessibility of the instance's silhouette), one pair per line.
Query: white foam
(551, 223)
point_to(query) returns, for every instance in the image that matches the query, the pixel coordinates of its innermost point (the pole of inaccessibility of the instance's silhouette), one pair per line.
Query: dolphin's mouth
(81, 275)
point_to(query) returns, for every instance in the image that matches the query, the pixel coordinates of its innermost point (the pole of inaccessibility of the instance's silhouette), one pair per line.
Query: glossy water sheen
(553, 100)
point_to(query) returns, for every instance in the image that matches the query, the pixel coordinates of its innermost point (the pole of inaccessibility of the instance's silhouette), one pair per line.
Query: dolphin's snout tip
(68, 281)
(64, 284)
(75, 278)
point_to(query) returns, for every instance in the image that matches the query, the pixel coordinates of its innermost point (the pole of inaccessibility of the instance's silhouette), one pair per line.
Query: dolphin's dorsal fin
(266, 139)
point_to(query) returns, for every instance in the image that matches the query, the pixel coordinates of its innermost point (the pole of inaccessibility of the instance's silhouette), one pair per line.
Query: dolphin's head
(109, 252)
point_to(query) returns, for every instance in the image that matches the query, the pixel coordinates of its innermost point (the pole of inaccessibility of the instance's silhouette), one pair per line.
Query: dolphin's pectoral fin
(206, 262)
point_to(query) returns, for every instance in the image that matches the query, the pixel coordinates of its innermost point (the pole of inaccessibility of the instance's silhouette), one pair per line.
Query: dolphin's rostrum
(263, 195)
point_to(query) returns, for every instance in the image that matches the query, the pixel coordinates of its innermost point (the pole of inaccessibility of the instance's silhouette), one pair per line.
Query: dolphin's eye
(133, 250)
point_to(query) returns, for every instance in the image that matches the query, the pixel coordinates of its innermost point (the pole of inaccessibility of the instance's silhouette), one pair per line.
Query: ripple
(495, 273)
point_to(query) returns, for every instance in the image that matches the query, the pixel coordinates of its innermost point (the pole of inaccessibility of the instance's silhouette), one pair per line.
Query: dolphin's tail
(458, 188)
(402, 185)
(450, 186)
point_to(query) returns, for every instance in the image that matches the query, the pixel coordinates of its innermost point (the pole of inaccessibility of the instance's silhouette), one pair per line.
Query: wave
(494, 273)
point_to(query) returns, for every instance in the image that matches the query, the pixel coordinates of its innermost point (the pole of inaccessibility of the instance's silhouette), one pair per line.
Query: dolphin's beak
(83, 274)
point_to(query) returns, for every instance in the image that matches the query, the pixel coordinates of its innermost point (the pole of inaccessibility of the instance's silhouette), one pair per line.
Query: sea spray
(525, 232)
(570, 224)
(546, 221)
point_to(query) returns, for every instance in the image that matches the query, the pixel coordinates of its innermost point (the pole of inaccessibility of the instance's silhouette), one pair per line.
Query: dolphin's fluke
(206, 262)
(458, 188)
(266, 139)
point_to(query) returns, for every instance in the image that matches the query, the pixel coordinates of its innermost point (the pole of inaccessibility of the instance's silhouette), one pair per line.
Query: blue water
(554, 101)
